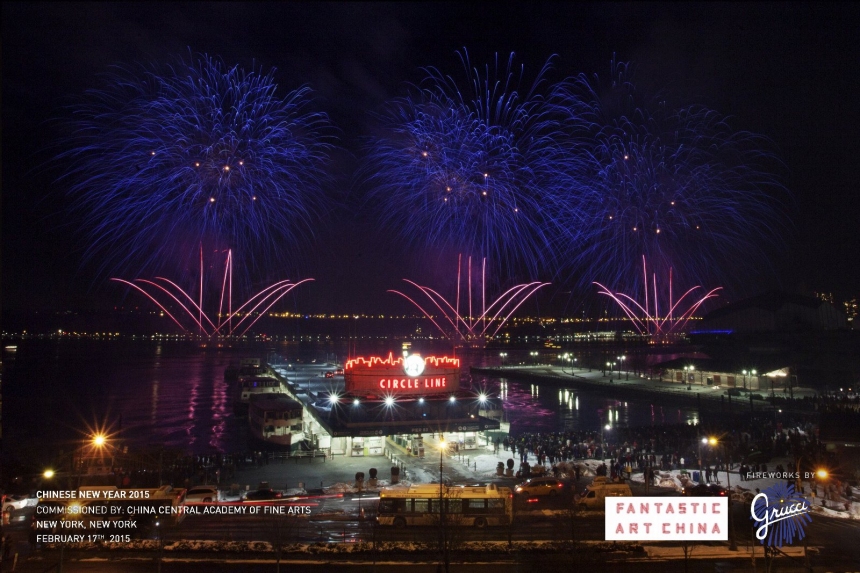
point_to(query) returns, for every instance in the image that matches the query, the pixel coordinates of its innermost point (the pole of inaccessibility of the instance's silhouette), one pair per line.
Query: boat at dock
(276, 419)
(249, 379)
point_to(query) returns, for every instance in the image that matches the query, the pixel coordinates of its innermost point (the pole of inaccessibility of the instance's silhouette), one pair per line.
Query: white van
(595, 495)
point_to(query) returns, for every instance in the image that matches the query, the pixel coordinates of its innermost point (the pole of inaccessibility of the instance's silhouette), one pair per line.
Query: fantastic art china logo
(781, 515)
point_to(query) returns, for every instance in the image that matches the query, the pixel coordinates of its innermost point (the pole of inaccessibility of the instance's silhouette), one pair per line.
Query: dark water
(174, 393)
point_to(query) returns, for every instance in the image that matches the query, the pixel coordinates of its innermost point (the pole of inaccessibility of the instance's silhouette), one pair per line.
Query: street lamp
(503, 355)
(534, 356)
(733, 546)
(443, 445)
(607, 427)
(745, 379)
(688, 374)
(622, 358)
(95, 442)
(822, 475)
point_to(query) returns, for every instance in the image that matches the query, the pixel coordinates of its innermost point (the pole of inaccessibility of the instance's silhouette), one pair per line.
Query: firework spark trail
(469, 328)
(472, 166)
(648, 320)
(673, 183)
(195, 152)
(162, 293)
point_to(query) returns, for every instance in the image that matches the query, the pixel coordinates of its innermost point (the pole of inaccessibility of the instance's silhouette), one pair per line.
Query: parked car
(265, 494)
(594, 496)
(202, 494)
(704, 490)
(540, 486)
(13, 502)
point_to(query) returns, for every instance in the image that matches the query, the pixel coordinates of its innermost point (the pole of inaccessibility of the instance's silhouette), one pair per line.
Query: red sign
(376, 376)
(412, 383)
(362, 363)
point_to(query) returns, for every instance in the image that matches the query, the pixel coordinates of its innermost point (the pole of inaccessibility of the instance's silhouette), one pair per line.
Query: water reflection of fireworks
(524, 410)
(539, 408)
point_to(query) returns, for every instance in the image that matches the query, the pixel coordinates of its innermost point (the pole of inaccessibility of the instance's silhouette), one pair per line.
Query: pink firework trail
(646, 319)
(166, 293)
(469, 327)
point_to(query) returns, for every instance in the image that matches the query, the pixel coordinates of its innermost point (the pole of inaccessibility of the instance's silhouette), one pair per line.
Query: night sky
(784, 70)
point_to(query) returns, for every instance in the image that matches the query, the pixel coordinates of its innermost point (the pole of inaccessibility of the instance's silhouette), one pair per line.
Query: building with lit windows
(774, 312)
(399, 398)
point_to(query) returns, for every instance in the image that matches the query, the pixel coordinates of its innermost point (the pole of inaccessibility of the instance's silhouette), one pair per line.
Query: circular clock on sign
(413, 365)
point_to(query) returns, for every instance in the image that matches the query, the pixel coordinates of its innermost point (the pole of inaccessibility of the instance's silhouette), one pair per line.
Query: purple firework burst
(168, 157)
(674, 184)
(470, 166)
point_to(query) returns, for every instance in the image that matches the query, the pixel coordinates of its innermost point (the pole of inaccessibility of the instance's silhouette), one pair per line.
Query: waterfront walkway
(630, 383)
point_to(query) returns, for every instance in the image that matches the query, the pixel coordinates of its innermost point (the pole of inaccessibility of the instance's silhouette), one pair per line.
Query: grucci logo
(781, 515)
(413, 365)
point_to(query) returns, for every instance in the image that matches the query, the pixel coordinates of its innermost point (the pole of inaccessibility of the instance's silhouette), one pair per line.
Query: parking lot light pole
(443, 538)
(733, 545)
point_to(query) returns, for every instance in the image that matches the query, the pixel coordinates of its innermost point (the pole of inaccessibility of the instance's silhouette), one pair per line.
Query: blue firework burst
(785, 521)
(166, 158)
(675, 184)
(469, 165)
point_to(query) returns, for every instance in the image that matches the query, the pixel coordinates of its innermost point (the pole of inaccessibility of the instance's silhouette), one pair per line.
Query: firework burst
(462, 321)
(189, 315)
(646, 317)
(677, 185)
(470, 166)
(165, 158)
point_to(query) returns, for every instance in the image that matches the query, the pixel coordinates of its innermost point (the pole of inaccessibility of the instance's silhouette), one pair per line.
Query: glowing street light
(48, 474)
(99, 440)
(733, 546)
(443, 445)
(607, 427)
(621, 360)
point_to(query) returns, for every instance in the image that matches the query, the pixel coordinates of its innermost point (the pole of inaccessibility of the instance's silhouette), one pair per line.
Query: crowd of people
(745, 447)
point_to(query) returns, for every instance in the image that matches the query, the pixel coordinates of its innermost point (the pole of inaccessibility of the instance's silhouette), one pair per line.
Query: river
(57, 392)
